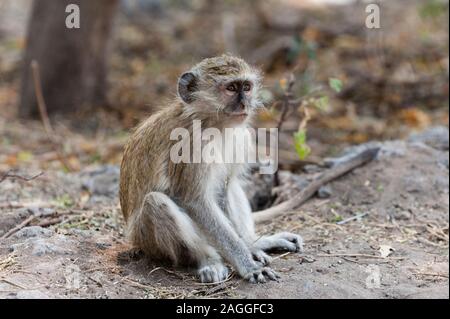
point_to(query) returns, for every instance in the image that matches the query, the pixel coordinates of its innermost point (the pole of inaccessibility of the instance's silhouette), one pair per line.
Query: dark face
(234, 99)
(238, 97)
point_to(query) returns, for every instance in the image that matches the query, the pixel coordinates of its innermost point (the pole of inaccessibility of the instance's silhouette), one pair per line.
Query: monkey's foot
(282, 241)
(214, 272)
(261, 257)
(260, 275)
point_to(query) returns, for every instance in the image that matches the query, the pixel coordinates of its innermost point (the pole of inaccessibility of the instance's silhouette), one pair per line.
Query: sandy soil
(399, 249)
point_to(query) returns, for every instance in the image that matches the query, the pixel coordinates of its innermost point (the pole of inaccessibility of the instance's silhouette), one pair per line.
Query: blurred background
(69, 99)
(123, 63)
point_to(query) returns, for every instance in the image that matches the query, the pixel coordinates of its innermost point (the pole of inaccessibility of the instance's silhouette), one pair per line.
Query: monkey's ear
(187, 85)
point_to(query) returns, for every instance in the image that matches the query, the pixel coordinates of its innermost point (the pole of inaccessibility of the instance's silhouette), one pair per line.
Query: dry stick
(50, 222)
(44, 114)
(288, 207)
(345, 221)
(285, 108)
(431, 274)
(12, 283)
(40, 97)
(24, 178)
(359, 255)
(19, 227)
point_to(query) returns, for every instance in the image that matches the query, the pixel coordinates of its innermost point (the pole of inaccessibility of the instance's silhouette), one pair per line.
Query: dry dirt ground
(73, 244)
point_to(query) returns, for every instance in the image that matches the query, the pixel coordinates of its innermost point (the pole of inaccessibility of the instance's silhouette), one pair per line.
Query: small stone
(324, 192)
(103, 246)
(41, 211)
(33, 231)
(103, 181)
(402, 215)
(436, 137)
(42, 247)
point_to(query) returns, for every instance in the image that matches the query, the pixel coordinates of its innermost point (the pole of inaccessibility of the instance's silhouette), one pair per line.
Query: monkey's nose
(241, 106)
(239, 109)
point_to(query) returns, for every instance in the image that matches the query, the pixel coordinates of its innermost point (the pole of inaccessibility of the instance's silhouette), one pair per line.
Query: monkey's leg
(163, 230)
(240, 214)
(282, 241)
(221, 233)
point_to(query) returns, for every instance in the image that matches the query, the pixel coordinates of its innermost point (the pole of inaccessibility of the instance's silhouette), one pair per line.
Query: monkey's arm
(240, 212)
(220, 232)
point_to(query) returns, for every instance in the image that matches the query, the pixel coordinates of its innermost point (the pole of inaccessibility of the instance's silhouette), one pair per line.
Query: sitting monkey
(197, 214)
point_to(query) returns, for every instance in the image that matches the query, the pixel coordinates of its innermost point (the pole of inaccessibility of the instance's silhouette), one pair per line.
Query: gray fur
(196, 214)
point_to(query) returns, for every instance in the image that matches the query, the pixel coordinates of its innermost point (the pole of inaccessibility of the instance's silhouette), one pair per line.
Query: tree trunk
(72, 62)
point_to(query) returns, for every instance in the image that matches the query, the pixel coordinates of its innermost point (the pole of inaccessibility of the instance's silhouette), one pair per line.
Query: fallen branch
(23, 224)
(51, 221)
(288, 207)
(24, 178)
(57, 218)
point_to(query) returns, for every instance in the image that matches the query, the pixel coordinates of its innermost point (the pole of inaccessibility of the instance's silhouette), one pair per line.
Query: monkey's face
(226, 89)
(237, 98)
(230, 99)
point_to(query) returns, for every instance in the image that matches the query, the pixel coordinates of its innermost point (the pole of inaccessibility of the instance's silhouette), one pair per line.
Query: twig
(289, 206)
(40, 98)
(24, 178)
(437, 233)
(138, 284)
(284, 110)
(51, 221)
(44, 114)
(224, 285)
(359, 255)
(428, 242)
(286, 101)
(431, 274)
(19, 227)
(342, 222)
(281, 256)
(167, 271)
(13, 284)
(230, 276)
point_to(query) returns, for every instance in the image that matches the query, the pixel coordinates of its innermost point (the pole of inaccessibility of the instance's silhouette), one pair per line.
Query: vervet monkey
(197, 214)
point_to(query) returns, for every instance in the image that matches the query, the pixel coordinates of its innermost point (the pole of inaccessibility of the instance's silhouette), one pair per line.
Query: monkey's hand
(215, 272)
(282, 241)
(260, 256)
(259, 274)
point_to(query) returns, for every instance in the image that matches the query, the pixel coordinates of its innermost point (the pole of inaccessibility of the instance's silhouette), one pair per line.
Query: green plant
(321, 102)
(64, 201)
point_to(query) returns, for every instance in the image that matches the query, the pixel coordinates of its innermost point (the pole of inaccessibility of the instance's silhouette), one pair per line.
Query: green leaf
(337, 219)
(64, 201)
(335, 84)
(302, 149)
(322, 103)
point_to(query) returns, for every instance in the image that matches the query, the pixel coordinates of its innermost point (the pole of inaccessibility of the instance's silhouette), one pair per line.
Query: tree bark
(72, 62)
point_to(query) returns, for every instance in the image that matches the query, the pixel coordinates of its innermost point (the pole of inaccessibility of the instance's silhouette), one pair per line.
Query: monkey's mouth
(237, 114)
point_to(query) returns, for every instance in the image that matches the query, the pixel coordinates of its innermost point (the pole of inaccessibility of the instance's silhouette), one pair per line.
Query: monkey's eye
(247, 87)
(231, 88)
